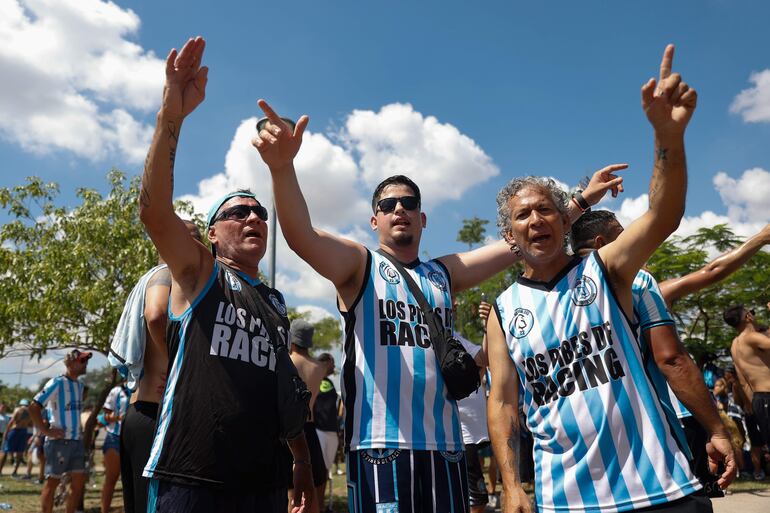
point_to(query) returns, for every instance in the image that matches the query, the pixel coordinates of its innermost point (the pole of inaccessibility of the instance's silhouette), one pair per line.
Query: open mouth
(253, 235)
(540, 238)
(401, 222)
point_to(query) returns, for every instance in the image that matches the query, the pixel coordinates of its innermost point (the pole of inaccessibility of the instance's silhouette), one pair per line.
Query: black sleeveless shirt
(218, 423)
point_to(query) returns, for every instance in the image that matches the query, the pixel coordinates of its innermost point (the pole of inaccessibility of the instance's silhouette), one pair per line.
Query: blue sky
(461, 96)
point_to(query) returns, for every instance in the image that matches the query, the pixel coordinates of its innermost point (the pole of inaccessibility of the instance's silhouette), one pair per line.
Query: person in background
(325, 412)
(115, 408)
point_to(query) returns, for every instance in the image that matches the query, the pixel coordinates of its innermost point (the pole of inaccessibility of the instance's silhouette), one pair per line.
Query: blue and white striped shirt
(651, 311)
(63, 400)
(602, 441)
(117, 402)
(394, 394)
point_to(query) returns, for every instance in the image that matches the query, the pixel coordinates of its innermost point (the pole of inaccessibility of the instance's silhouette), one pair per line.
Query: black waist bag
(292, 395)
(459, 370)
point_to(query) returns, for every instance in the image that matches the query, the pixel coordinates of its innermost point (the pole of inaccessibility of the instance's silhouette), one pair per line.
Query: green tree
(65, 273)
(467, 320)
(473, 231)
(10, 395)
(699, 315)
(327, 334)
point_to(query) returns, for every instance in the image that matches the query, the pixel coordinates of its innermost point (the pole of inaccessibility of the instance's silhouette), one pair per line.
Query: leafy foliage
(65, 273)
(473, 231)
(699, 315)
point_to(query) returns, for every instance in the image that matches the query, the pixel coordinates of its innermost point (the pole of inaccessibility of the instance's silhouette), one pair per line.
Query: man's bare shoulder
(161, 278)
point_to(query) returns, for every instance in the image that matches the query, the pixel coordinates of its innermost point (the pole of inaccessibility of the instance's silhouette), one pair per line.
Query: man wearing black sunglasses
(751, 353)
(216, 445)
(402, 431)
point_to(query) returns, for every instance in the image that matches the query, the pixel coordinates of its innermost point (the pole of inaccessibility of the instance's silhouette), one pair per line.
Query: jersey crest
(522, 323)
(437, 279)
(233, 282)
(584, 292)
(389, 274)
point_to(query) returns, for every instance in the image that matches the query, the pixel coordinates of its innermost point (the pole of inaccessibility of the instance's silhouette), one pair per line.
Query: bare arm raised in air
(669, 105)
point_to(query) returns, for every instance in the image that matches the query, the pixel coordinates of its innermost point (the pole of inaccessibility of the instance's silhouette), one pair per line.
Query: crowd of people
(587, 390)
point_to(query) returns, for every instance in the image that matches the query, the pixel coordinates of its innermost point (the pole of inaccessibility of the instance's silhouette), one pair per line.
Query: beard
(403, 239)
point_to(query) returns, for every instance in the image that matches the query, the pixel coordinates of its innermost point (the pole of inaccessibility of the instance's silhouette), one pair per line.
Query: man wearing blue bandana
(216, 445)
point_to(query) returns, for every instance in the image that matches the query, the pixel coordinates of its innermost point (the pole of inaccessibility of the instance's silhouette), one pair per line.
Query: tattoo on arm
(144, 194)
(660, 163)
(514, 444)
(173, 139)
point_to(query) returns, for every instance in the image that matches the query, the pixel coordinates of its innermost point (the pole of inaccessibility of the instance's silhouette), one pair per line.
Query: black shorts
(320, 473)
(168, 497)
(694, 503)
(136, 435)
(761, 406)
(477, 487)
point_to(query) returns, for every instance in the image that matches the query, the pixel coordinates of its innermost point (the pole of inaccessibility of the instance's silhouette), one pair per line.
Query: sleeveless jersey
(601, 439)
(117, 402)
(651, 311)
(63, 400)
(218, 421)
(394, 394)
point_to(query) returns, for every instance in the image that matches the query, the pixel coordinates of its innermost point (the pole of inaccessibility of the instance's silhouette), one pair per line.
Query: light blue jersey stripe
(394, 382)
(366, 419)
(646, 468)
(438, 397)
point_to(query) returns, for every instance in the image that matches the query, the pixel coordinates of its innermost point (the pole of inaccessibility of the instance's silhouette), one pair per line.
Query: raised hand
(602, 181)
(669, 103)
(276, 143)
(185, 86)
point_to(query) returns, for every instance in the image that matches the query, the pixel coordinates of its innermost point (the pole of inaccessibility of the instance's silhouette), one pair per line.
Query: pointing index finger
(667, 62)
(270, 113)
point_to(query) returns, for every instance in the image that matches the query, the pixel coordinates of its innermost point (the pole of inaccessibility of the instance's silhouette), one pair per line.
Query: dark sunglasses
(241, 212)
(388, 205)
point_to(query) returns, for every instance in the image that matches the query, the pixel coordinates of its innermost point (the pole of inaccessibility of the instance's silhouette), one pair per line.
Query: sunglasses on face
(241, 212)
(388, 205)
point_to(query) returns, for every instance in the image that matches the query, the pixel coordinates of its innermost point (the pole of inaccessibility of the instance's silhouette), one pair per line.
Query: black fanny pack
(459, 370)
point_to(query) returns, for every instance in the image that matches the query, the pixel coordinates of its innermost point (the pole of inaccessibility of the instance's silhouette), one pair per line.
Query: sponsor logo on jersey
(389, 274)
(437, 279)
(522, 323)
(380, 456)
(233, 282)
(584, 292)
(277, 304)
(452, 456)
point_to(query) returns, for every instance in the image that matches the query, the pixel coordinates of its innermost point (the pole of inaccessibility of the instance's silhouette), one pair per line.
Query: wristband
(582, 210)
(302, 462)
(581, 201)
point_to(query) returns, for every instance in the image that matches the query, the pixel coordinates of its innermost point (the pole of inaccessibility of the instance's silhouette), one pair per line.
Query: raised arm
(716, 270)
(339, 260)
(503, 417)
(184, 90)
(669, 105)
(758, 340)
(470, 268)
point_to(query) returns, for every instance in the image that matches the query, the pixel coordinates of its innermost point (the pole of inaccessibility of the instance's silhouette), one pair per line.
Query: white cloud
(748, 197)
(631, 208)
(437, 156)
(72, 78)
(337, 179)
(753, 104)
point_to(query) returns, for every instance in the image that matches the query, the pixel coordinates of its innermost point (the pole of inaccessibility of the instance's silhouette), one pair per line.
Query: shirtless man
(16, 435)
(751, 353)
(139, 424)
(312, 373)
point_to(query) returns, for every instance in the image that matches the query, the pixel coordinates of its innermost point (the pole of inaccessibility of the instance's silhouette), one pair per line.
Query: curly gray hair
(558, 196)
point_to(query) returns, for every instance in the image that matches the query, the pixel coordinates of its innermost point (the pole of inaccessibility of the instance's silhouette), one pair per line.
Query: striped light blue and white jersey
(117, 402)
(62, 398)
(602, 441)
(651, 311)
(392, 386)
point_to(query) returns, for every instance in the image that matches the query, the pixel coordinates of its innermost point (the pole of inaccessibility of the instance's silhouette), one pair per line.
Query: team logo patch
(277, 304)
(380, 456)
(389, 274)
(437, 279)
(452, 456)
(584, 292)
(233, 282)
(387, 507)
(522, 323)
